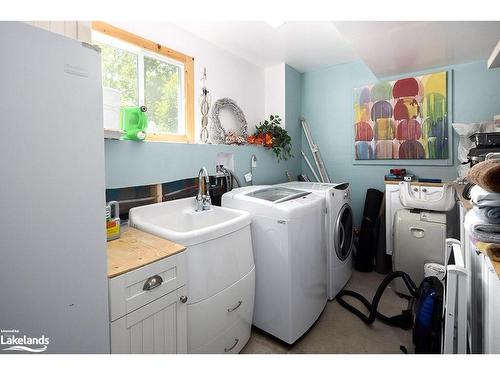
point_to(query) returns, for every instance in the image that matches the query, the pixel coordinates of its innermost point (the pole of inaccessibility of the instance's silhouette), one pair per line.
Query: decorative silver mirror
(220, 135)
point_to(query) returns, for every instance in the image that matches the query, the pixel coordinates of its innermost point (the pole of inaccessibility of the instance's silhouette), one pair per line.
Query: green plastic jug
(134, 122)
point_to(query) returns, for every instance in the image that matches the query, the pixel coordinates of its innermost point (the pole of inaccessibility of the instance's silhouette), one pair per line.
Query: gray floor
(339, 331)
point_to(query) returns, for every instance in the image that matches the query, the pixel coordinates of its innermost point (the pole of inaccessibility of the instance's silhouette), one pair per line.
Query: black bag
(428, 311)
(427, 301)
(364, 258)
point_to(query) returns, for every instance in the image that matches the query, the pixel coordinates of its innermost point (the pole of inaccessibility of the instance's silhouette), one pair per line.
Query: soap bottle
(112, 220)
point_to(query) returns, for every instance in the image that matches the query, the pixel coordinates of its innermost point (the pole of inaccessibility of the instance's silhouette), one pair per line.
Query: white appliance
(53, 237)
(338, 230)
(483, 292)
(289, 254)
(454, 338)
(419, 238)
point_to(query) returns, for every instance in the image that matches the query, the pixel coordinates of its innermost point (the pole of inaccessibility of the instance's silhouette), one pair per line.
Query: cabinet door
(476, 320)
(491, 308)
(392, 204)
(158, 327)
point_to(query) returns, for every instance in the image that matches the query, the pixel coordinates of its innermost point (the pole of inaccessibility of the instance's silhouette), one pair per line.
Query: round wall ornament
(218, 133)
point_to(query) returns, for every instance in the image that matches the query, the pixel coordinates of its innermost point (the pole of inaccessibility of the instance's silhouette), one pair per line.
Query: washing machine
(338, 230)
(289, 254)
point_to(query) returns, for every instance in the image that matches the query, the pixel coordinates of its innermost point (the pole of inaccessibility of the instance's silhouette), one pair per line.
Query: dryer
(338, 230)
(290, 258)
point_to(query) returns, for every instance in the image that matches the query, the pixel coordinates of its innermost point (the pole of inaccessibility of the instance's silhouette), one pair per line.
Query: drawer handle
(153, 282)
(183, 299)
(231, 309)
(236, 341)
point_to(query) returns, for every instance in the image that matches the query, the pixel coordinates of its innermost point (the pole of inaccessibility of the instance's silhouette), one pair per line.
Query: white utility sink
(220, 268)
(444, 202)
(178, 221)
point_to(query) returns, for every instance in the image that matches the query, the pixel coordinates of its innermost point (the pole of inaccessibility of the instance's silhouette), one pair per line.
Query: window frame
(147, 48)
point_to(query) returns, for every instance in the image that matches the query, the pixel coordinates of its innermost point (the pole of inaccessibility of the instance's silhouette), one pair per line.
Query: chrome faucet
(203, 201)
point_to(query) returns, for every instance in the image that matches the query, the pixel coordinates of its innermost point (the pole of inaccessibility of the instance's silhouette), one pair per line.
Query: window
(149, 74)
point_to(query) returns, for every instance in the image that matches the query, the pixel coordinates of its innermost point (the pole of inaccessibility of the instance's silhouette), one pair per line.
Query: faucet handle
(207, 202)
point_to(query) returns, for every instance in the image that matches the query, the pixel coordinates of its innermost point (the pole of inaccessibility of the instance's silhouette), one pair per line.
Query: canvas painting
(402, 119)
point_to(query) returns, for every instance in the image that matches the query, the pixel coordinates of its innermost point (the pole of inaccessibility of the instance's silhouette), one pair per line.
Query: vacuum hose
(404, 320)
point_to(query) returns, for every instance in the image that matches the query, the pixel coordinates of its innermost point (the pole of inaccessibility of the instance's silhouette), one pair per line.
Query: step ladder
(323, 175)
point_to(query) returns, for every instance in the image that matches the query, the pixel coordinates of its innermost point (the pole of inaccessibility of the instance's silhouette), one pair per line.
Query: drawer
(208, 318)
(127, 293)
(216, 265)
(230, 341)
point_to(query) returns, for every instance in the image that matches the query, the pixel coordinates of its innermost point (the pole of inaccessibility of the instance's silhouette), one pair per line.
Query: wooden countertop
(135, 249)
(496, 266)
(494, 263)
(459, 189)
(417, 183)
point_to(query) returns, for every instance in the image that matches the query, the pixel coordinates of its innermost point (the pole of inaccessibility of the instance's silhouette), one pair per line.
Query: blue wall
(327, 104)
(131, 163)
(293, 105)
(324, 97)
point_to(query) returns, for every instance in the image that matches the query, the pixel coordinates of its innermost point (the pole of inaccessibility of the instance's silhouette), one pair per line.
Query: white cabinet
(148, 310)
(483, 296)
(491, 309)
(221, 292)
(393, 203)
(158, 327)
(484, 305)
(80, 30)
(230, 313)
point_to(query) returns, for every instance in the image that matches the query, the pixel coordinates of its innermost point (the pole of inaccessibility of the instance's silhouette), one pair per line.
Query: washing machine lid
(277, 194)
(303, 185)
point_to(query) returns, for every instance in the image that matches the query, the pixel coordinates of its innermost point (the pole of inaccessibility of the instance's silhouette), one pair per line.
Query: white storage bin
(111, 108)
(418, 239)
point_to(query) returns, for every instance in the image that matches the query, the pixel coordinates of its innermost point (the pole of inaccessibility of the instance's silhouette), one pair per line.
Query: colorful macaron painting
(402, 119)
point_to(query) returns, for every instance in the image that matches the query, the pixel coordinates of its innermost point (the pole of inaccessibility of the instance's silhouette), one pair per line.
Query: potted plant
(270, 134)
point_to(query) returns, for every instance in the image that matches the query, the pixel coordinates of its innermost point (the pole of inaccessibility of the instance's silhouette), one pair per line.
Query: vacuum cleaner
(424, 313)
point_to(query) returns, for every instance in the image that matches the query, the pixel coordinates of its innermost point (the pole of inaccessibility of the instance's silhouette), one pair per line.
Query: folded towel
(492, 250)
(486, 174)
(480, 196)
(486, 204)
(485, 232)
(490, 214)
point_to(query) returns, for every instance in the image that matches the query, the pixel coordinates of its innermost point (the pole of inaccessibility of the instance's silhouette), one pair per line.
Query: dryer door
(343, 234)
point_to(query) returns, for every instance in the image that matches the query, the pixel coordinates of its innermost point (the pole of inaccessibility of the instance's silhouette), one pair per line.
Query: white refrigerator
(53, 282)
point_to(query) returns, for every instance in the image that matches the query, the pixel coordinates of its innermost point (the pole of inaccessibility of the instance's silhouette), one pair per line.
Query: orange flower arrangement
(271, 135)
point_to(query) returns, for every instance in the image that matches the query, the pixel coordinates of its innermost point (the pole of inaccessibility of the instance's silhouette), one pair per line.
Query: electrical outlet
(254, 162)
(248, 177)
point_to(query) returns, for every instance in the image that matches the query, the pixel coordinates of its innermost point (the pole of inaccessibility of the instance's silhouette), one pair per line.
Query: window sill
(170, 138)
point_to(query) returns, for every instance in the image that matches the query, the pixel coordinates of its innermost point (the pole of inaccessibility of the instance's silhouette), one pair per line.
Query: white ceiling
(388, 48)
(392, 48)
(303, 45)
